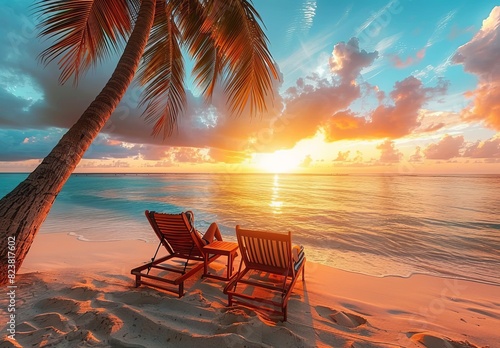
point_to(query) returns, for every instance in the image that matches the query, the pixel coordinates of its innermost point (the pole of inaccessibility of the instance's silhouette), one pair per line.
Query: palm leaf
(162, 71)
(249, 67)
(84, 31)
(208, 63)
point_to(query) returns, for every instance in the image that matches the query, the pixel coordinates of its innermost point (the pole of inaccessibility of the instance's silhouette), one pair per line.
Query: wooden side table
(228, 249)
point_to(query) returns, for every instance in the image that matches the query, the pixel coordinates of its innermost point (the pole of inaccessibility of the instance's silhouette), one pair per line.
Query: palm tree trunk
(23, 210)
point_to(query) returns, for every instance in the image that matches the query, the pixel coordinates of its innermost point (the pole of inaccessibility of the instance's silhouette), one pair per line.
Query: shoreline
(63, 279)
(83, 239)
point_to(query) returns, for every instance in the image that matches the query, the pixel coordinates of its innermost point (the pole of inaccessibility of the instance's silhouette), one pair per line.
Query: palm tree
(223, 37)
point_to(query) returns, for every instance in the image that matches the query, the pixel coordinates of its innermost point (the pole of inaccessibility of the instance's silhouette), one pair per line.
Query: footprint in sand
(61, 304)
(231, 315)
(431, 341)
(81, 293)
(99, 321)
(341, 318)
(56, 320)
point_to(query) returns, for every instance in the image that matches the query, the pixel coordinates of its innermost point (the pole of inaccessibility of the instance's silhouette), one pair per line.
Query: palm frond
(208, 63)
(84, 32)
(249, 67)
(162, 71)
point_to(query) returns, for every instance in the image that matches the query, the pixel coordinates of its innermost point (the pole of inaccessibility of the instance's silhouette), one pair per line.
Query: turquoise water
(373, 224)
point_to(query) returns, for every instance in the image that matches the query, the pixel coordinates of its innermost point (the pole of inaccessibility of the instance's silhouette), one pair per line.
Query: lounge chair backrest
(267, 251)
(176, 233)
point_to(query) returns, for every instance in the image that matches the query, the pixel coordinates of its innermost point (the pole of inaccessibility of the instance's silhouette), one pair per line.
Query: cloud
(440, 27)
(386, 121)
(433, 127)
(18, 145)
(347, 60)
(104, 164)
(13, 111)
(447, 148)
(387, 42)
(358, 157)
(417, 156)
(399, 63)
(451, 147)
(389, 154)
(302, 20)
(479, 56)
(342, 156)
(432, 72)
(308, 105)
(187, 155)
(432, 121)
(484, 149)
(306, 162)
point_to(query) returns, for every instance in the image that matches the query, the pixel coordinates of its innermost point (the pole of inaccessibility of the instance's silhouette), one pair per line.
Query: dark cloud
(17, 145)
(13, 110)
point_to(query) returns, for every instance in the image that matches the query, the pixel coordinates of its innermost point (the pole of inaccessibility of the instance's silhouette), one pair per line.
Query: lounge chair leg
(137, 281)
(284, 313)
(303, 271)
(181, 289)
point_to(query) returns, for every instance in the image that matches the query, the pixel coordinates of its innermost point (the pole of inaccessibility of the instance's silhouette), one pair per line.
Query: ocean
(378, 225)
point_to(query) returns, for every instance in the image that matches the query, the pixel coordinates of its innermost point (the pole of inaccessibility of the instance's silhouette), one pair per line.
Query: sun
(277, 162)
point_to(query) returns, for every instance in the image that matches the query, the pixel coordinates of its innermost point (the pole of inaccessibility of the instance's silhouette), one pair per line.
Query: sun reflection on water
(276, 203)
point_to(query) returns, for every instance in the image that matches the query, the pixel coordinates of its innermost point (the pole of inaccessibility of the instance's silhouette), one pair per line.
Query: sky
(399, 86)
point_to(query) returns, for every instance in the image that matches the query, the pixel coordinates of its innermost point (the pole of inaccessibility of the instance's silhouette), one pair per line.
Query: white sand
(79, 294)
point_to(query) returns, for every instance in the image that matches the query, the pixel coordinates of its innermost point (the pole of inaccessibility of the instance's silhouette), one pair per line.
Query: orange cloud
(386, 121)
(486, 105)
(480, 57)
(310, 106)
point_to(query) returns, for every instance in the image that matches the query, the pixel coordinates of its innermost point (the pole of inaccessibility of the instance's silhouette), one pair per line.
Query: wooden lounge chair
(177, 236)
(276, 269)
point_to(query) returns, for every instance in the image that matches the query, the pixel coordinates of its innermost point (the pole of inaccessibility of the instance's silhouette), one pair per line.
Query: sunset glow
(277, 162)
(365, 87)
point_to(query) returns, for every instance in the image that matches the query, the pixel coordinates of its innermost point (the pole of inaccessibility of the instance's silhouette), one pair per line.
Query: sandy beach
(72, 293)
